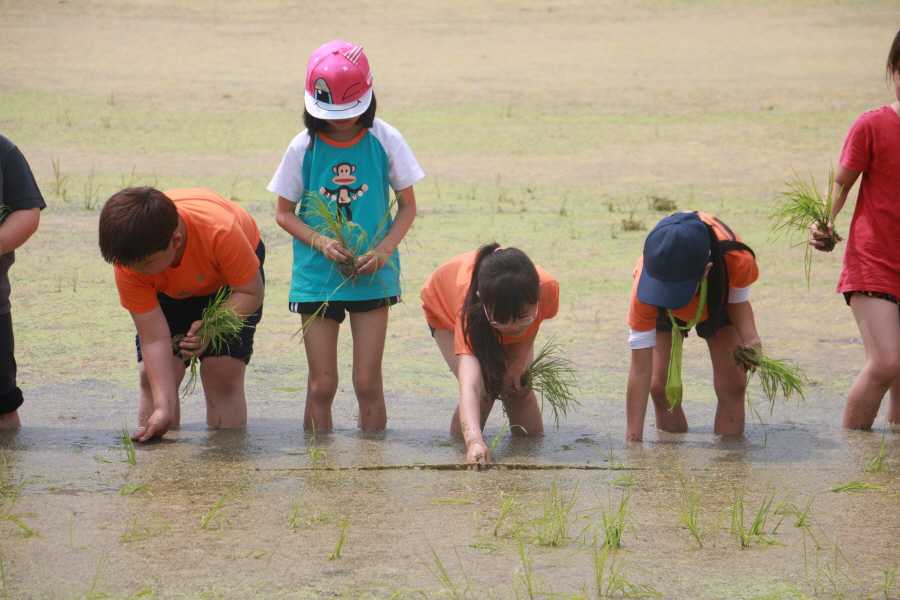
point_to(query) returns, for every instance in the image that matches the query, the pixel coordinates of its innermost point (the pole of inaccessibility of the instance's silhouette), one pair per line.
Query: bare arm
(519, 356)
(288, 220)
(637, 393)
(471, 391)
(741, 315)
(18, 227)
(156, 349)
(377, 257)
(844, 179)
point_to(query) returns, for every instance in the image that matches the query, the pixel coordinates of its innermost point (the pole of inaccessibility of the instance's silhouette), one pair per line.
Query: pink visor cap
(338, 81)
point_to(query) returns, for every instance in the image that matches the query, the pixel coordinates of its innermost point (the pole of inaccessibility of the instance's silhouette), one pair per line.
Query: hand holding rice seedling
(552, 376)
(219, 325)
(805, 212)
(338, 237)
(775, 375)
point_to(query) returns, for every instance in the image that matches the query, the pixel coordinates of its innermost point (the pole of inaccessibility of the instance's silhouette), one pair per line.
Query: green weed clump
(220, 325)
(552, 376)
(801, 206)
(777, 376)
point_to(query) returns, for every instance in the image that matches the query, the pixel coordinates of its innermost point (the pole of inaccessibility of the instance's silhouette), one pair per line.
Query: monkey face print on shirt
(344, 193)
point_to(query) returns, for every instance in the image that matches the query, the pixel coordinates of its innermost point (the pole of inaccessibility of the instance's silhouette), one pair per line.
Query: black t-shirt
(18, 191)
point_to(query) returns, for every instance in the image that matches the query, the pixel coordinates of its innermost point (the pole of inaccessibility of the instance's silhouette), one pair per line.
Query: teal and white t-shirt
(355, 180)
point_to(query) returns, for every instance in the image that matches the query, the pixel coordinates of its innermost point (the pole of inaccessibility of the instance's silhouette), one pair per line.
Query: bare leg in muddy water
(226, 403)
(369, 332)
(320, 341)
(10, 420)
(879, 326)
(729, 381)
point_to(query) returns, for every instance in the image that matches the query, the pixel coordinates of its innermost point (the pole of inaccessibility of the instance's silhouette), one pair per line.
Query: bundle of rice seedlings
(777, 376)
(218, 324)
(802, 205)
(552, 376)
(326, 220)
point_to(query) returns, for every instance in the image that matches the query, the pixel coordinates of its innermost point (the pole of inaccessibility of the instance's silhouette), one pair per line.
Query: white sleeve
(403, 169)
(642, 339)
(738, 295)
(288, 179)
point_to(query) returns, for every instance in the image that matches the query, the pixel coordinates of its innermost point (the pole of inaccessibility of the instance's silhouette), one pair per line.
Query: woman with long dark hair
(484, 309)
(694, 271)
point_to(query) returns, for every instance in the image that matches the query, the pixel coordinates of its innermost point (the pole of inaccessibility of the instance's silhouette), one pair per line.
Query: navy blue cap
(676, 253)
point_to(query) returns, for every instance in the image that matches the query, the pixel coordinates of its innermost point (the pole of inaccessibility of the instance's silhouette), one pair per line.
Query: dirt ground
(543, 125)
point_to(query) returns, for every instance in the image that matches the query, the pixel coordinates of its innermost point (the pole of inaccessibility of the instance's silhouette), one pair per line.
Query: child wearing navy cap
(694, 271)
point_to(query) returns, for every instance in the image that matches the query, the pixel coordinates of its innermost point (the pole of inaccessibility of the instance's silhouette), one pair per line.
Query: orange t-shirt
(742, 271)
(220, 249)
(445, 292)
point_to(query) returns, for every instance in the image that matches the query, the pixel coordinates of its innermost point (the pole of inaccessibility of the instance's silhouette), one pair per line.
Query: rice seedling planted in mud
(874, 464)
(801, 206)
(858, 486)
(611, 576)
(453, 590)
(552, 376)
(214, 515)
(219, 325)
(128, 445)
(614, 525)
(776, 376)
(551, 528)
(688, 508)
(336, 553)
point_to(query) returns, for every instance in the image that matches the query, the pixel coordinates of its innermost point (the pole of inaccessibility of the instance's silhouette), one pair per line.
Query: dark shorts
(10, 395)
(882, 295)
(337, 310)
(181, 314)
(704, 328)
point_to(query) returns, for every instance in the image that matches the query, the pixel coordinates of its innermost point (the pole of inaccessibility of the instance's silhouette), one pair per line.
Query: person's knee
(368, 385)
(884, 368)
(322, 387)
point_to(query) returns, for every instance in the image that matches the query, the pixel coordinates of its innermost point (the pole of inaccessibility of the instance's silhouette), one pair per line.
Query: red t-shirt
(871, 260)
(742, 271)
(445, 292)
(220, 249)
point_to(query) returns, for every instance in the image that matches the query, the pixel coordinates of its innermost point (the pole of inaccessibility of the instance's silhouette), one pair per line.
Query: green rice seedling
(614, 526)
(551, 528)
(527, 584)
(499, 435)
(327, 220)
(611, 575)
(135, 530)
(801, 206)
(688, 509)
(832, 577)
(776, 376)
(336, 553)
(888, 583)
(214, 516)
(135, 488)
(552, 376)
(608, 453)
(451, 589)
(874, 464)
(297, 516)
(507, 523)
(219, 325)
(755, 532)
(101, 458)
(128, 445)
(804, 515)
(12, 496)
(312, 450)
(92, 592)
(858, 486)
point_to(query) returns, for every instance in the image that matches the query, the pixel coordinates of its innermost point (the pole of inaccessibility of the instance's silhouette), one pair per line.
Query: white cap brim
(321, 110)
